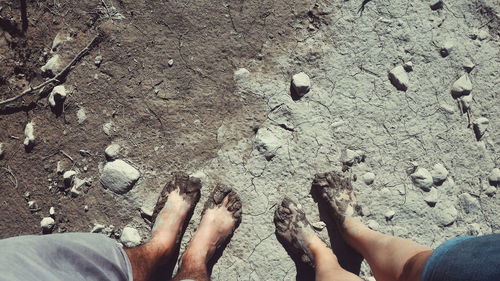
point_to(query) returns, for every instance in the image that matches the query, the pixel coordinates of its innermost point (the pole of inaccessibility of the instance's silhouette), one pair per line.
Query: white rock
(57, 95)
(170, 62)
(69, 177)
(468, 65)
(98, 228)
(119, 176)
(107, 128)
(439, 173)
(241, 73)
(369, 178)
(59, 168)
(490, 191)
(431, 197)
(52, 211)
(373, 225)
(483, 34)
(147, 211)
(130, 237)
(408, 66)
(86, 208)
(461, 87)
(494, 177)
(447, 47)
(81, 115)
(469, 203)
(61, 38)
(47, 224)
(112, 151)
(466, 102)
(2, 150)
(399, 78)
(29, 136)
(301, 84)
(480, 125)
(318, 225)
(98, 60)
(53, 66)
(351, 157)
(33, 206)
(422, 179)
(389, 215)
(446, 214)
(267, 143)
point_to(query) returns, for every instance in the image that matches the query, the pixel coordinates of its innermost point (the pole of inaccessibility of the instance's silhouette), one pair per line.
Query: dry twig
(14, 179)
(56, 79)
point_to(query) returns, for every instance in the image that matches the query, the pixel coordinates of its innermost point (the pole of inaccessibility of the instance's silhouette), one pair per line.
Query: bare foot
(338, 194)
(176, 200)
(221, 216)
(295, 231)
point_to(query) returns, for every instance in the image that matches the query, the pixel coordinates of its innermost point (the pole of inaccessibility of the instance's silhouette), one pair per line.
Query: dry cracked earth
(403, 99)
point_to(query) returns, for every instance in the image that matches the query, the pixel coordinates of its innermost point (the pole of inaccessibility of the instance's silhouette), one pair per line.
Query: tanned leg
(221, 216)
(390, 258)
(293, 228)
(178, 198)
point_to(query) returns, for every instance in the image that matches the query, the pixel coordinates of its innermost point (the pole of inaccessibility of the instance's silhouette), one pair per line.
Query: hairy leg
(178, 198)
(390, 258)
(221, 216)
(295, 232)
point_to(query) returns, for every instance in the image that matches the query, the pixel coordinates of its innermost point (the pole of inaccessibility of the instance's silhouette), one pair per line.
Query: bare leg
(293, 228)
(177, 199)
(390, 258)
(221, 216)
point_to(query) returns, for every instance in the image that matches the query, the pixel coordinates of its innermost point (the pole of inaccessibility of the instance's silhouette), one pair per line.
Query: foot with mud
(220, 217)
(337, 193)
(294, 230)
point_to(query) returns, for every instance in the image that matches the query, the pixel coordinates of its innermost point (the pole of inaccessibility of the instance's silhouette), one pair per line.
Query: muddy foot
(338, 194)
(293, 229)
(220, 217)
(179, 196)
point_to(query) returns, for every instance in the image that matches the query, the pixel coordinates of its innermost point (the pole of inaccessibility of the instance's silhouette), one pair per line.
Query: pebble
(483, 34)
(431, 197)
(399, 78)
(241, 74)
(59, 168)
(98, 60)
(466, 102)
(69, 177)
(107, 128)
(119, 176)
(53, 66)
(389, 215)
(439, 173)
(52, 211)
(490, 191)
(147, 212)
(436, 5)
(61, 37)
(369, 178)
(170, 62)
(47, 225)
(57, 95)
(33, 206)
(480, 125)
(27, 195)
(86, 208)
(494, 177)
(461, 87)
(319, 225)
(422, 179)
(446, 215)
(266, 143)
(2, 150)
(130, 237)
(81, 116)
(301, 84)
(373, 225)
(112, 151)
(29, 136)
(98, 228)
(447, 48)
(469, 203)
(408, 66)
(351, 157)
(468, 65)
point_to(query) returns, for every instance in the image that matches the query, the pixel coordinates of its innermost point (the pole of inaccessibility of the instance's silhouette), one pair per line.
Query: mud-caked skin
(189, 189)
(294, 229)
(216, 199)
(337, 192)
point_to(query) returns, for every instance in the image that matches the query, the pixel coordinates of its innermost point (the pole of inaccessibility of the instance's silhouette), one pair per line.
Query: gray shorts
(68, 256)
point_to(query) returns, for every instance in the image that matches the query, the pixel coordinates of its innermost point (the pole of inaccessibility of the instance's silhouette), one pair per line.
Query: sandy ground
(213, 119)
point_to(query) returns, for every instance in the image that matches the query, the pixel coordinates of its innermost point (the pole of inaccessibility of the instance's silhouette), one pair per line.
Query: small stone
(373, 225)
(490, 191)
(369, 178)
(119, 176)
(112, 151)
(241, 74)
(494, 177)
(465, 103)
(2, 150)
(29, 136)
(469, 203)
(480, 125)
(60, 39)
(107, 128)
(483, 34)
(47, 225)
(59, 168)
(436, 5)
(69, 177)
(57, 95)
(422, 179)
(170, 62)
(33, 206)
(53, 66)
(98, 60)
(130, 237)
(468, 65)
(474, 229)
(447, 48)
(431, 197)
(319, 225)
(399, 78)
(98, 228)
(301, 84)
(351, 157)
(81, 115)
(52, 211)
(408, 66)
(461, 87)
(446, 214)
(439, 173)
(147, 212)
(266, 143)
(86, 208)
(389, 215)
(27, 195)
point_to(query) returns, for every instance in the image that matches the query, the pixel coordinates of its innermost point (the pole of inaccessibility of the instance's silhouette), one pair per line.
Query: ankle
(194, 258)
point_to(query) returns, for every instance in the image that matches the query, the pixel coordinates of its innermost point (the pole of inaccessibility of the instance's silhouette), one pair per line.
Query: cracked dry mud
(204, 115)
